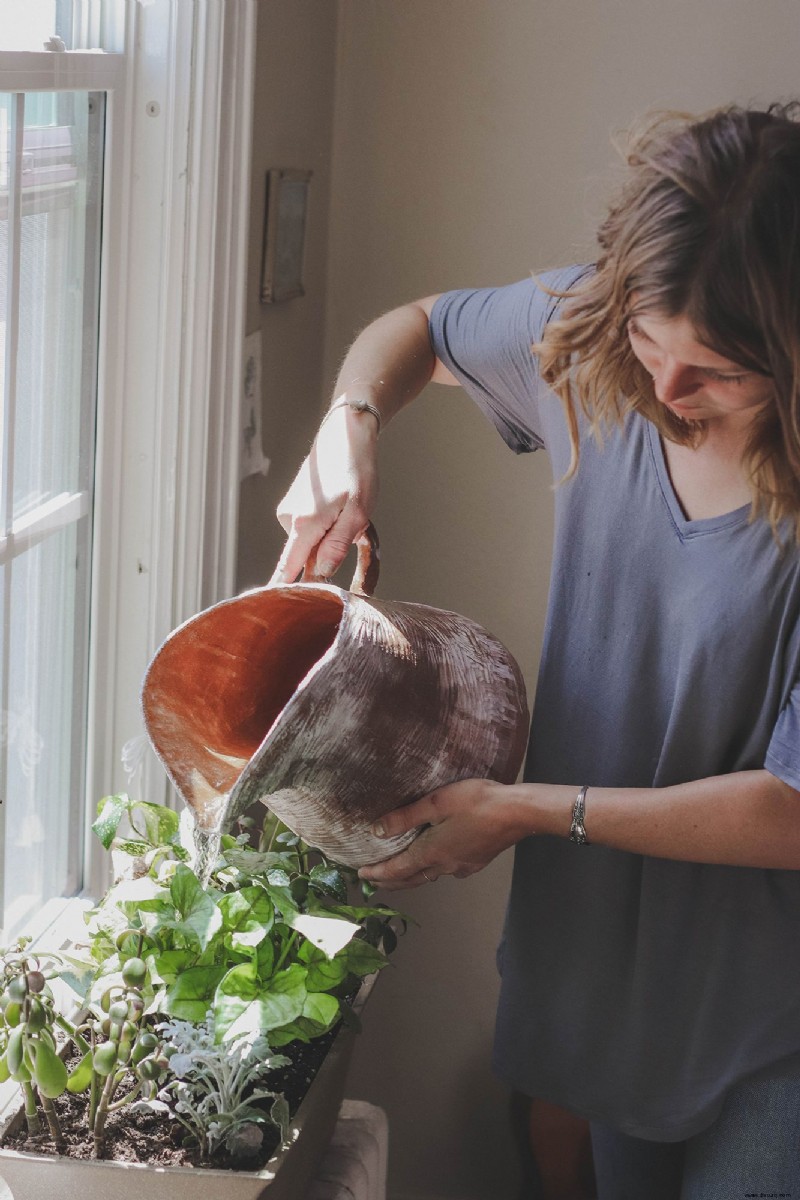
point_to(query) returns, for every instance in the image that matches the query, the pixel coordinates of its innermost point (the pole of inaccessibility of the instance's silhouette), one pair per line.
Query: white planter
(286, 1176)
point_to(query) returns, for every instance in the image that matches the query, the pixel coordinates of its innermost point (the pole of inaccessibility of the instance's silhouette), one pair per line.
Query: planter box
(286, 1176)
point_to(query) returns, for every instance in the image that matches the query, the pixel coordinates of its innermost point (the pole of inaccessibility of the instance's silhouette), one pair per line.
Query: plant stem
(101, 1115)
(72, 1033)
(291, 942)
(132, 1094)
(52, 1121)
(31, 1115)
(273, 835)
(93, 1100)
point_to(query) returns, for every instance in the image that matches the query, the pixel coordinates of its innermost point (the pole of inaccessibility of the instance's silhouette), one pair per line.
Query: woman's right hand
(332, 497)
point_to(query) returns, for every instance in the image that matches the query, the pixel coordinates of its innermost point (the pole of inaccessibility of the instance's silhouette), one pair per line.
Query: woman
(651, 960)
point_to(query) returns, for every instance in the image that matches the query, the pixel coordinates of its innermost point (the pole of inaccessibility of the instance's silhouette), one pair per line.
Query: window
(124, 182)
(51, 158)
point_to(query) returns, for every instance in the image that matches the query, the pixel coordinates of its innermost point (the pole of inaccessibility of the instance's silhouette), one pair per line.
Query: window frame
(172, 323)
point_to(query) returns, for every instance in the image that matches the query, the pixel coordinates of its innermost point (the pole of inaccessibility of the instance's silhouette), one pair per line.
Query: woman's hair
(707, 226)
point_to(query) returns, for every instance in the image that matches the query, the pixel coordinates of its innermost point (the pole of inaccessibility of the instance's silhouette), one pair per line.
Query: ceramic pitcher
(331, 707)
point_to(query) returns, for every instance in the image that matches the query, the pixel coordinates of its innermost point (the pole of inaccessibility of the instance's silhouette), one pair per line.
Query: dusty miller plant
(215, 1084)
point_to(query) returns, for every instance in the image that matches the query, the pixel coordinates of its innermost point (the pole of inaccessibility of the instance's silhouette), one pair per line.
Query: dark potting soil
(146, 1137)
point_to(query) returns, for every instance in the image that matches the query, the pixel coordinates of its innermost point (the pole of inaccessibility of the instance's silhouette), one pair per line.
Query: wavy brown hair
(707, 226)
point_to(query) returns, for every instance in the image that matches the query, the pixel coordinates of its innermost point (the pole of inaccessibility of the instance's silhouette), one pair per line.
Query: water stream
(206, 842)
(206, 852)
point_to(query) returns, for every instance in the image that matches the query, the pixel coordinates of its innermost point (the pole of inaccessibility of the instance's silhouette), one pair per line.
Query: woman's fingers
(292, 560)
(331, 499)
(405, 870)
(309, 542)
(410, 816)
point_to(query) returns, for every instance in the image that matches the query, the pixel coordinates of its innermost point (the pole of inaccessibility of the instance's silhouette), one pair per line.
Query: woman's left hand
(468, 824)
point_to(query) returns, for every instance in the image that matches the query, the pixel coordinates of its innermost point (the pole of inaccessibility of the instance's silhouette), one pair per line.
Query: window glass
(51, 147)
(28, 24)
(58, 199)
(45, 656)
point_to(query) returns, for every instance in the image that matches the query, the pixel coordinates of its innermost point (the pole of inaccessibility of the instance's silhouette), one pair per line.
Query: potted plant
(198, 996)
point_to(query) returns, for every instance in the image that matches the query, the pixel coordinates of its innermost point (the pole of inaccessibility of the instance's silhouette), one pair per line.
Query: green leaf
(191, 995)
(360, 912)
(77, 973)
(234, 995)
(322, 1008)
(160, 823)
(138, 892)
(248, 914)
(256, 862)
(132, 848)
(279, 877)
(361, 958)
(328, 934)
(265, 958)
(110, 812)
(49, 1071)
(283, 999)
(81, 1076)
(282, 898)
(328, 880)
(275, 1005)
(200, 913)
(301, 1030)
(279, 1114)
(166, 966)
(323, 973)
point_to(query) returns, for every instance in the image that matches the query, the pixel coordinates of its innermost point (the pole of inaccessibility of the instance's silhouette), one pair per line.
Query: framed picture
(284, 234)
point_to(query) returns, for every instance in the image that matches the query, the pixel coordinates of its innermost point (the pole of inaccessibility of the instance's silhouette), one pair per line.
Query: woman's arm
(333, 495)
(748, 819)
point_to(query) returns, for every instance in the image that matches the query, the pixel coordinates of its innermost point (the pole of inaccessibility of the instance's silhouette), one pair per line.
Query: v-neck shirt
(637, 990)
(687, 527)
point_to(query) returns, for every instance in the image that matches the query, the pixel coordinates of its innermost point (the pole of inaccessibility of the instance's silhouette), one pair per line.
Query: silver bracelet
(577, 830)
(357, 406)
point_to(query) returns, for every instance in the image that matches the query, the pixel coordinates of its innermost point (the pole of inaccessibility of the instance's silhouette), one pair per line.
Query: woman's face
(693, 381)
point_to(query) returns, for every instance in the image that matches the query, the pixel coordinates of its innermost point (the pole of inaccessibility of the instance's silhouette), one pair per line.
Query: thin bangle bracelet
(577, 830)
(357, 406)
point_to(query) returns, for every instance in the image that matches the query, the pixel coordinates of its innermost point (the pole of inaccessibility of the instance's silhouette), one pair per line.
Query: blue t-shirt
(637, 990)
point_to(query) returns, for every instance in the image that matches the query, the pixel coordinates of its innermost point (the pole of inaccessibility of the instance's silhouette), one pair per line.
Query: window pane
(27, 24)
(78, 24)
(45, 650)
(53, 288)
(51, 148)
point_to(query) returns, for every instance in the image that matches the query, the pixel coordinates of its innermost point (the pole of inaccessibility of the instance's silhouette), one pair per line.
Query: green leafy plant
(190, 980)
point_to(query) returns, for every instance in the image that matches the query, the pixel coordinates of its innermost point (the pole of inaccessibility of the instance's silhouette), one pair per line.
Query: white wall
(471, 144)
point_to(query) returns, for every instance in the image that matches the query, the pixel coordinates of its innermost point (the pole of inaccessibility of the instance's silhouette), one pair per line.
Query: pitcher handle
(365, 577)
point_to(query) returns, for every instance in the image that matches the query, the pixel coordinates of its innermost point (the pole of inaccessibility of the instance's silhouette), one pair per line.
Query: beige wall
(292, 127)
(470, 144)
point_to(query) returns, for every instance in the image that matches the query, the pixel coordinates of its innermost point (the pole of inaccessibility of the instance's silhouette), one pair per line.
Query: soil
(146, 1138)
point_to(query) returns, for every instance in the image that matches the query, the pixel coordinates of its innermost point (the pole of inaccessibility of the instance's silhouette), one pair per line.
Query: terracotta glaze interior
(218, 685)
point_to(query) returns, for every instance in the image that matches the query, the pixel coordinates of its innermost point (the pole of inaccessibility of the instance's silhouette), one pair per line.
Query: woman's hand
(468, 824)
(332, 497)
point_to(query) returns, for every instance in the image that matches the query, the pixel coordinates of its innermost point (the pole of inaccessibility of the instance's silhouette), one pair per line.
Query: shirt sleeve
(484, 337)
(783, 752)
